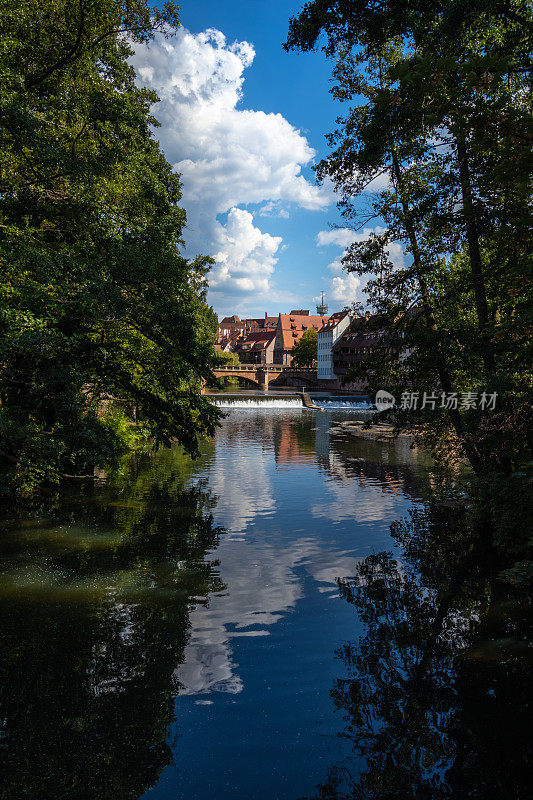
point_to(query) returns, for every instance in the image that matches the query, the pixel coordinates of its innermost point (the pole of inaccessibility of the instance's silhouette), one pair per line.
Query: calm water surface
(172, 631)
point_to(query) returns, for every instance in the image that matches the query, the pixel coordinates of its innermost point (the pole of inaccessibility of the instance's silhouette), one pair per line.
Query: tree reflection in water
(436, 693)
(95, 621)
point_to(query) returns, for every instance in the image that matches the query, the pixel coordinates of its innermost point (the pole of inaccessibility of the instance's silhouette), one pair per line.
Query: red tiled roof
(257, 340)
(293, 326)
(260, 334)
(228, 340)
(333, 320)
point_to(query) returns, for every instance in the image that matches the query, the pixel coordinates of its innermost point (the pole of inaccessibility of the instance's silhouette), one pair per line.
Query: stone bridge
(262, 374)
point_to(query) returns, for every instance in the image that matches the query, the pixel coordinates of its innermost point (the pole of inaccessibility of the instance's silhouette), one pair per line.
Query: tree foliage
(95, 296)
(304, 352)
(434, 149)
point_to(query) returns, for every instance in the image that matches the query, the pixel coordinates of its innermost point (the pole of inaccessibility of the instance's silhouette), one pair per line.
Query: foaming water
(338, 403)
(258, 402)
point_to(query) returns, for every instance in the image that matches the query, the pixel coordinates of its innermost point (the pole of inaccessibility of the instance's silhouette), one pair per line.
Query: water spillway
(257, 401)
(291, 400)
(343, 403)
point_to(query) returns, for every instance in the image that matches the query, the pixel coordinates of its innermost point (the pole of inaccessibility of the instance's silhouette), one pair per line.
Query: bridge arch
(254, 374)
(248, 379)
(261, 375)
(294, 378)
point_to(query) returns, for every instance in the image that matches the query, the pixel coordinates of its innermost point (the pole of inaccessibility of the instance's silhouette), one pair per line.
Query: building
(270, 323)
(353, 346)
(230, 326)
(328, 335)
(226, 344)
(257, 347)
(232, 331)
(289, 331)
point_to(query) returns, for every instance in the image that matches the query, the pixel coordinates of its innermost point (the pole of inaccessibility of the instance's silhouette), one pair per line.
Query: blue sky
(243, 121)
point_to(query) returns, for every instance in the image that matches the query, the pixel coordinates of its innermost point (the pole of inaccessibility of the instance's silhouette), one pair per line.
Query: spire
(322, 307)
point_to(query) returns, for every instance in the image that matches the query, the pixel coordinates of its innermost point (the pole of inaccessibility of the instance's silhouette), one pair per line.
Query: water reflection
(212, 582)
(436, 693)
(264, 583)
(263, 568)
(94, 620)
(241, 480)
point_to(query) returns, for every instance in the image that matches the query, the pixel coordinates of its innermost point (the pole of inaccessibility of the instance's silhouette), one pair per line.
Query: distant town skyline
(243, 122)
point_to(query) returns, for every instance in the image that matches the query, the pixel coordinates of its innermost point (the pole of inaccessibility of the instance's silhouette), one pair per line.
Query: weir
(340, 403)
(291, 400)
(285, 400)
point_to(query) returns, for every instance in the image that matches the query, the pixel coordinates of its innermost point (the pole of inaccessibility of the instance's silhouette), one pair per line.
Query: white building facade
(328, 335)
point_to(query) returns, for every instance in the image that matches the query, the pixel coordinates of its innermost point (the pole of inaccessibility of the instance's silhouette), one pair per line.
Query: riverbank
(380, 432)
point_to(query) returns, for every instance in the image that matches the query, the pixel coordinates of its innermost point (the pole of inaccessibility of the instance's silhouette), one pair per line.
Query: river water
(177, 630)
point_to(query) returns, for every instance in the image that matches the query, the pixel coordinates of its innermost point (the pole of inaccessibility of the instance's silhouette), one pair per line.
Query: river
(186, 629)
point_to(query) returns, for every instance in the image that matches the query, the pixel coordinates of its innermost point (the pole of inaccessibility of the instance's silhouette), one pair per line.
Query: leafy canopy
(304, 352)
(433, 150)
(437, 108)
(96, 298)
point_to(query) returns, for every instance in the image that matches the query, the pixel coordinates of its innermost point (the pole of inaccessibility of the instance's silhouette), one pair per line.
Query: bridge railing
(243, 368)
(267, 367)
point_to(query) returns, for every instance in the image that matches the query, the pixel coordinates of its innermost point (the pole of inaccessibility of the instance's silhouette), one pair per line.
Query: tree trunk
(429, 315)
(474, 250)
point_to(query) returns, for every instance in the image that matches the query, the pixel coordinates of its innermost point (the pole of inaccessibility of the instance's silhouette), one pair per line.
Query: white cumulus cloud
(228, 156)
(346, 287)
(246, 257)
(344, 237)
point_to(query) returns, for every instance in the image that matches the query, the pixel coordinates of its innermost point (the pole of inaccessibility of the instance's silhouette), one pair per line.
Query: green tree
(304, 352)
(438, 103)
(447, 120)
(96, 298)
(227, 360)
